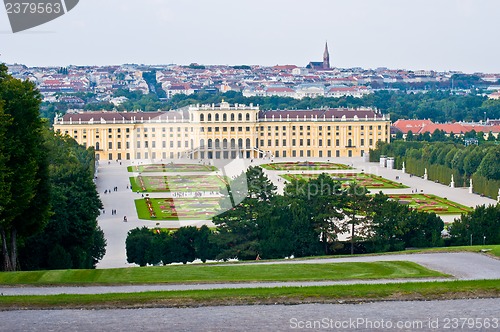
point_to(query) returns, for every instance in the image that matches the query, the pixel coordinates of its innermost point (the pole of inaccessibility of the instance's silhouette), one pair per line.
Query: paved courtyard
(115, 174)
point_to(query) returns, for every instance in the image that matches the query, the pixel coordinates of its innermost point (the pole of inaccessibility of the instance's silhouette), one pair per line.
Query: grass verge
(492, 250)
(283, 295)
(177, 274)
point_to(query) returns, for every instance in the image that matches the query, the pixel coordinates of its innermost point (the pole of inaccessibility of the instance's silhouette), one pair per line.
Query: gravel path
(462, 266)
(378, 316)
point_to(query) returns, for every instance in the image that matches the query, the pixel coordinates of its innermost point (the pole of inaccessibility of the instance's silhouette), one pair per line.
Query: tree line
(307, 220)
(481, 163)
(48, 200)
(438, 106)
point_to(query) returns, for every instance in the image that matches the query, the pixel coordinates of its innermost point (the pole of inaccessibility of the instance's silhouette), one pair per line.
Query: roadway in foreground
(449, 315)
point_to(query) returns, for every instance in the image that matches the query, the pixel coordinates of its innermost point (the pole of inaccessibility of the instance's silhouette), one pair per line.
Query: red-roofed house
(411, 125)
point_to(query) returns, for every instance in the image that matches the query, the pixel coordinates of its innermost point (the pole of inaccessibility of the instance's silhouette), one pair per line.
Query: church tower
(326, 57)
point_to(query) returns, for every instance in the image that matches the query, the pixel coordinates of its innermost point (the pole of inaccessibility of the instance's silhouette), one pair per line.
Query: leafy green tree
(237, 227)
(490, 164)
(183, 246)
(204, 245)
(423, 230)
(439, 136)
(139, 246)
(5, 192)
(275, 237)
(386, 228)
(26, 208)
(259, 185)
(75, 208)
(322, 198)
(59, 259)
(306, 240)
(458, 161)
(355, 207)
(481, 225)
(472, 161)
(237, 230)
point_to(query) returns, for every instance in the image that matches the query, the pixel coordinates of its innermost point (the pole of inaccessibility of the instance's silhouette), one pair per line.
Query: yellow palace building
(226, 131)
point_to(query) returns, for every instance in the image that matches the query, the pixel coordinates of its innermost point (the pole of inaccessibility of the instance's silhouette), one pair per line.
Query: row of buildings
(455, 128)
(227, 131)
(313, 80)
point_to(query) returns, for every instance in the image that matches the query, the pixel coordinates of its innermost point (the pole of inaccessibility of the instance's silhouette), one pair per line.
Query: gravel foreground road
(451, 315)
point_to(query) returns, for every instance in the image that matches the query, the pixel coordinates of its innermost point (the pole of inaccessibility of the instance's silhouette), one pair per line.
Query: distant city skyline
(445, 35)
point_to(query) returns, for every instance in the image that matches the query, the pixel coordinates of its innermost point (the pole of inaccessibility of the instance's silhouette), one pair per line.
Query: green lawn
(280, 295)
(199, 208)
(431, 203)
(362, 179)
(490, 250)
(221, 273)
(171, 167)
(303, 166)
(493, 250)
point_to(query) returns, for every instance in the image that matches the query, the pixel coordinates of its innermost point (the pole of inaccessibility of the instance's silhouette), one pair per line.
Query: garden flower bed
(180, 183)
(362, 179)
(200, 208)
(171, 167)
(432, 203)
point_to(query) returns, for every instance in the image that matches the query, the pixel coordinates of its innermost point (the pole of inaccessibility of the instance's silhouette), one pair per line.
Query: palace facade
(226, 131)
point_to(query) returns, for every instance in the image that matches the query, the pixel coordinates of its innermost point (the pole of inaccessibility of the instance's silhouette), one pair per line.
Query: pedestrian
(125, 218)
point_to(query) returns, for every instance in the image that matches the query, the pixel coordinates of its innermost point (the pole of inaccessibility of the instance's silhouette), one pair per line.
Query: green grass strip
(282, 295)
(492, 250)
(221, 274)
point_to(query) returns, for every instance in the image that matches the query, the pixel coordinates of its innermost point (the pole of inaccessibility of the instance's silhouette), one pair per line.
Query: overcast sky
(408, 34)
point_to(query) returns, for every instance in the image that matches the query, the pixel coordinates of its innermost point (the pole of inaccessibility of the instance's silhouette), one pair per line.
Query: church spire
(326, 57)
